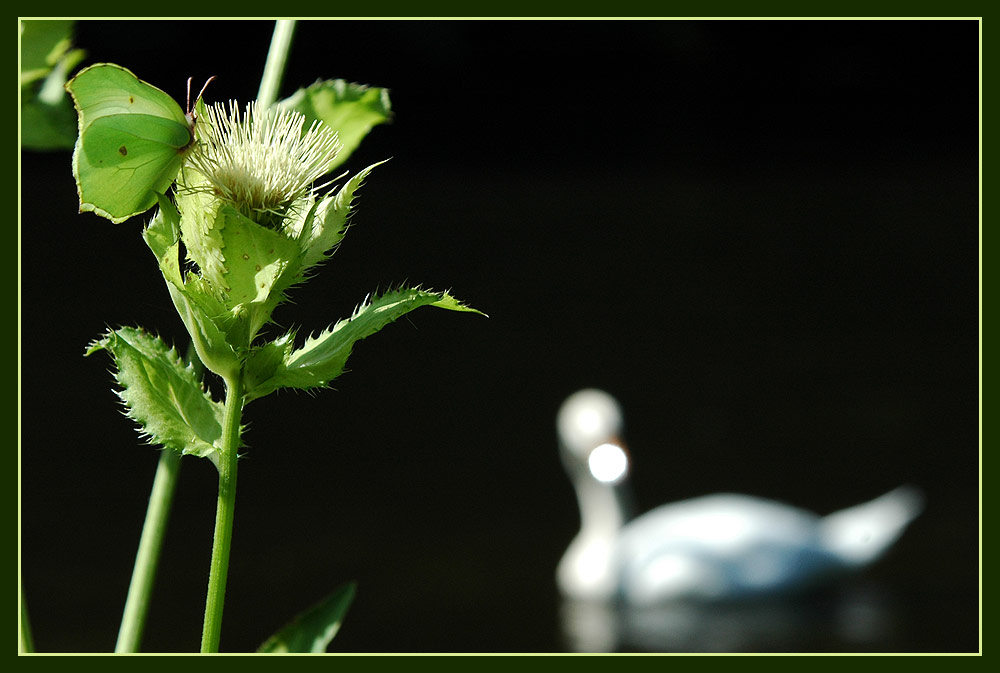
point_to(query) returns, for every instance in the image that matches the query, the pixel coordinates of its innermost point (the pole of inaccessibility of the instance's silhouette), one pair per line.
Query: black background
(762, 236)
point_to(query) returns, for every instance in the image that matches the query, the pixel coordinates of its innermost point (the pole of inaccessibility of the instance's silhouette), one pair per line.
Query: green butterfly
(133, 140)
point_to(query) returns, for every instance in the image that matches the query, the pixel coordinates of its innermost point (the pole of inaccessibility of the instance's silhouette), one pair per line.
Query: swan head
(590, 424)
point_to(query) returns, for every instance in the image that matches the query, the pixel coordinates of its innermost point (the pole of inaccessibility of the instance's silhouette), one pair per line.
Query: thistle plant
(244, 212)
(263, 163)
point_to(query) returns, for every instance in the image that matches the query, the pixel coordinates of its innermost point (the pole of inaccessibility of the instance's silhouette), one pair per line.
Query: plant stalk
(225, 509)
(148, 555)
(274, 68)
(25, 643)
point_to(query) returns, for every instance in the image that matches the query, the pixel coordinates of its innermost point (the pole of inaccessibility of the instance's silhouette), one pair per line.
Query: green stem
(225, 509)
(147, 557)
(274, 68)
(25, 643)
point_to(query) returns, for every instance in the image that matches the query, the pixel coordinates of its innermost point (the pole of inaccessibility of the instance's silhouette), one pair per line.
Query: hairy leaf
(163, 394)
(245, 266)
(162, 236)
(204, 317)
(323, 357)
(312, 631)
(259, 264)
(201, 228)
(327, 223)
(263, 361)
(255, 258)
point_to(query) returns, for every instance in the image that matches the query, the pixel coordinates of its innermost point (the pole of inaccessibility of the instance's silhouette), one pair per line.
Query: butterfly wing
(128, 158)
(132, 141)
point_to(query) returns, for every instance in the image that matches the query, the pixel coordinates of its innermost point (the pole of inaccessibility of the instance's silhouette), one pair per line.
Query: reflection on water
(854, 617)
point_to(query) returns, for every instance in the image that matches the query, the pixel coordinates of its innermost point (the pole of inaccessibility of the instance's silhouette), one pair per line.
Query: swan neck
(603, 511)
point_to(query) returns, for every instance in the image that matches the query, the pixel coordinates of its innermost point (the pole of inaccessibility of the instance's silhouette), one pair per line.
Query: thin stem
(25, 643)
(147, 557)
(154, 528)
(225, 509)
(274, 68)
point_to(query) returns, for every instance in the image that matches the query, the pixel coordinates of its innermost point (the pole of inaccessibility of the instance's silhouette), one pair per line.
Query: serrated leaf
(162, 393)
(312, 631)
(323, 357)
(327, 225)
(162, 236)
(201, 229)
(259, 264)
(255, 258)
(263, 361)
(210, 340)
(244, 265)
(203, 316)
(352, 110)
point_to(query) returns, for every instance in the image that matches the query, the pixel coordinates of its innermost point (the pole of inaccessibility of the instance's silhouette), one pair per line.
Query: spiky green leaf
(259, 264)
(312, 631)
(323, 357)
(327, 223)
(162, 393)
(245, 266)
(201, 228)
(162, 236)
(352, 110)
(204, 316)
(263, 361)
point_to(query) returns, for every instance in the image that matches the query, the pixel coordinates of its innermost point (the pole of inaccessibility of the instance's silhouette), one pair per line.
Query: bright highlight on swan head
(608, 463)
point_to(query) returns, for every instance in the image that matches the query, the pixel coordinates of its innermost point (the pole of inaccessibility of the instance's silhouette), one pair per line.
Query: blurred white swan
(709, 548)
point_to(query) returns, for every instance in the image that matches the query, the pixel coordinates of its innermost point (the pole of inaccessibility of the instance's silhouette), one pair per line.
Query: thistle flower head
(261, 161)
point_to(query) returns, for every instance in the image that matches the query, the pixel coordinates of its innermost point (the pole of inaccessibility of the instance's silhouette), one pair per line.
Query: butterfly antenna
(207, 82)
(190, 109)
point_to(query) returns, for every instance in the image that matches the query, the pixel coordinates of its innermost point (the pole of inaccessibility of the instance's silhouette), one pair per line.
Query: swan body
(715, 547)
